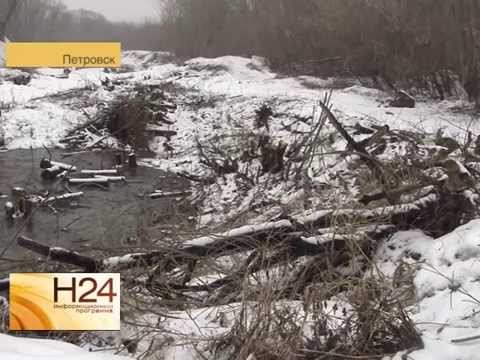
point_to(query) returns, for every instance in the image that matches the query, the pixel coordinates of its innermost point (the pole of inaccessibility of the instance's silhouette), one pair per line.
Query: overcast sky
(118, 10)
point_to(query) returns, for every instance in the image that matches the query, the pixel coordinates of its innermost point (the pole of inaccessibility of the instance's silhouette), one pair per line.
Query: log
(9, 210)
(67, 196)
(245, 238)
(100, 172)
(241, 239)
(132, 160)
(233, 241)
(393, 194)
(158, 194)
(88, 181)
(18, 196)
(287, 234)
(111, 178)
(403, 216)
(72, 138)
(98, 141)
(59, 254)
(29, 203)
(163, 133)
(46, 163)
(331, 253)
(119, 158)
(52, 172)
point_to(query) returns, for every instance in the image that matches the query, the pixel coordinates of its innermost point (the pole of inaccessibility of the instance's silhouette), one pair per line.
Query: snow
(44, 125)
(242, 83)
(220, 96)
(19, 348)
(447, 288)
(374, 213)
(242, 231)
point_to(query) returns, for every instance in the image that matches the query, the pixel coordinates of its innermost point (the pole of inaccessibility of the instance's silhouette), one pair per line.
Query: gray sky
(118, 10)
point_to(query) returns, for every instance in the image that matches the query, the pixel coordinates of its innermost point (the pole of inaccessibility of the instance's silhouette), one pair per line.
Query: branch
(12, 5)
(60, 254)
(372, 163)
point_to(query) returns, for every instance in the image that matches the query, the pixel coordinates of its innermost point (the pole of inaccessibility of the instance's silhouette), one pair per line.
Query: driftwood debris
(158, 194)
(111, 178)
(237, 240)
(88, 181)
(18, 197)
(67, 196)
(52, 173)
(59, 254)
(46, 164)
(132, 160)
(319, 235)
(9, 210)
(100, 172)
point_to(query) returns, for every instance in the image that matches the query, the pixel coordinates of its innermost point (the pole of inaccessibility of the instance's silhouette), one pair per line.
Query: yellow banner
(64, 302)
(63, 54)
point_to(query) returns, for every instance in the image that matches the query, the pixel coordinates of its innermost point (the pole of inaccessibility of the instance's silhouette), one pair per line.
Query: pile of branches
(370, 323)
(441, 199)
(133, 118)
(431, 188)
(136, 117)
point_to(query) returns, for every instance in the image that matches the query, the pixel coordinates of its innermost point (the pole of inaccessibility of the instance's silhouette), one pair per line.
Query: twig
(367, 158)
(461, 340)
(50, 156)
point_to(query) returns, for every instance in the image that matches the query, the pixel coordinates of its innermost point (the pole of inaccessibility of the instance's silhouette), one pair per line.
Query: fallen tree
(328, 233)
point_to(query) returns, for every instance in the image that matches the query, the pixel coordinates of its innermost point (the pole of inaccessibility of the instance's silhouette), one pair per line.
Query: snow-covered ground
(227, 89)
(220, 96)
(447, 285)
(19, 348)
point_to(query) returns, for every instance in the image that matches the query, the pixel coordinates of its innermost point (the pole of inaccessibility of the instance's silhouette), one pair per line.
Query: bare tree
(11, 6)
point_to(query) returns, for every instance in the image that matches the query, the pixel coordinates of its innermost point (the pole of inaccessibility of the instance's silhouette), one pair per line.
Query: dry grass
(368, 324)
(335, 311)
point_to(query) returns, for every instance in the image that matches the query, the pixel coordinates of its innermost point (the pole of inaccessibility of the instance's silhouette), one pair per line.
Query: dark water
(102, 221)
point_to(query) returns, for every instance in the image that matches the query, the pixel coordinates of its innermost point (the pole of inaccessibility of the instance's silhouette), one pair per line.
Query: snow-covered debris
(217, 107)
(267, 227)
(135, 60)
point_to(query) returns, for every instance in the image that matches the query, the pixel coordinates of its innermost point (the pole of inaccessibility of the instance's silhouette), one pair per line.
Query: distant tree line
(49, 20)
(390, 38)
